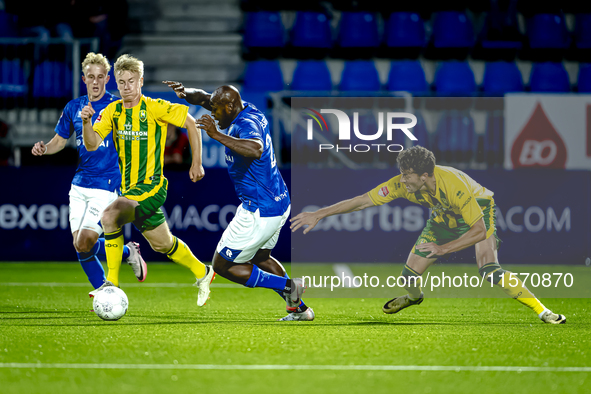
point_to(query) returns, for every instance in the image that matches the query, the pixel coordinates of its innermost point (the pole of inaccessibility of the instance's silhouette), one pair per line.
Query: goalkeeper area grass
(50, 341)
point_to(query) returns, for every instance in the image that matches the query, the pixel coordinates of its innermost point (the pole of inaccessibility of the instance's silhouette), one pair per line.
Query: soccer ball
(110, 303)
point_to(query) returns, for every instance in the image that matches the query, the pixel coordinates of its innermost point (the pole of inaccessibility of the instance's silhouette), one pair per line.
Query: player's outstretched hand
(39, 149)
(435, 249)
(207, 123)
(196, 173)
(86, 113)
(310, 219)
(178, 88)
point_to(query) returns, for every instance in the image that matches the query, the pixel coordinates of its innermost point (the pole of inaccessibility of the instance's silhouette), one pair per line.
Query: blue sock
(302, 305)
(101, 254)
(259, 278)
(92, 267)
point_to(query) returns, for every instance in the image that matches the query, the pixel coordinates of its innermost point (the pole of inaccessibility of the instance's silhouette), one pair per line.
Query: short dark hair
(420, 159)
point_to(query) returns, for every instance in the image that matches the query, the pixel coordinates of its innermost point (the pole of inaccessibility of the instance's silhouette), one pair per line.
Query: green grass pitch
(50, 342)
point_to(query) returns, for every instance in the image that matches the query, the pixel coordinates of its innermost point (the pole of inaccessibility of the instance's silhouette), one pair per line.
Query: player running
(463, 214)
(97, 178)
(138, 125)
(243, 254)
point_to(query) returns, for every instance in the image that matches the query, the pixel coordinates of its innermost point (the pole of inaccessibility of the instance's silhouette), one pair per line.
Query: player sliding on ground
(138, 125)
(97, 178)
(243, 255)
(463, 214)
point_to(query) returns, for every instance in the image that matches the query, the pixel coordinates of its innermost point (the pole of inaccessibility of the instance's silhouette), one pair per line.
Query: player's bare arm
(244, 147)
(193, 96)
(196, 171)
(476, 234)
(56, 144)
(311, 219)
(92, 140)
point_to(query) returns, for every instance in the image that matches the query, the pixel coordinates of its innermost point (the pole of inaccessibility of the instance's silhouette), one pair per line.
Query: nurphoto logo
(344, 130)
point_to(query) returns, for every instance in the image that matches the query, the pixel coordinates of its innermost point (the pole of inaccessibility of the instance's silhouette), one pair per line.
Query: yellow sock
(182, 255)
(512, 286)
(520, 293)
(114, 251)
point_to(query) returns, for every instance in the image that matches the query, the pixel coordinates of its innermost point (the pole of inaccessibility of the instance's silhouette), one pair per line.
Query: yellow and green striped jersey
(458, 199)
(139, 134)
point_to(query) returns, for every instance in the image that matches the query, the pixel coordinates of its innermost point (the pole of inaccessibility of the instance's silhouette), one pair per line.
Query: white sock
(544, 311)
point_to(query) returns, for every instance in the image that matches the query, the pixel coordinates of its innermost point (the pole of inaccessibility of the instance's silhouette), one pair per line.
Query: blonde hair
(96, 58)
(129, 63)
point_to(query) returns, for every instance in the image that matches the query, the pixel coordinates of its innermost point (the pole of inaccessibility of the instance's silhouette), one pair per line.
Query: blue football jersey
(258, 182)
(98, 169)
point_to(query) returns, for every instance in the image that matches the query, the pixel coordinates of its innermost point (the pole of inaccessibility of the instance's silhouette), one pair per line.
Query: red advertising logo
(538, 145)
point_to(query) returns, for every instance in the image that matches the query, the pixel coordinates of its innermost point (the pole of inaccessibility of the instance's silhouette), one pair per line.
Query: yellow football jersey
(458, 198)
(139, 134)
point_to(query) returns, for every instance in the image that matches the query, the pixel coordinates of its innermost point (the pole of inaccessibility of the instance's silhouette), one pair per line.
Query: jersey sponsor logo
(281, 196)
(466, 202)
(460, 194)
(539, 144)
(143, 115)
(230, 159)
(384, 191)
(132, 135)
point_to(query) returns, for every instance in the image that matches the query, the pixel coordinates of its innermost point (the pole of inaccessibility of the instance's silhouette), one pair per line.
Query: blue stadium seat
(455, 137)
(360, 75)
(455, 77)
(452, 29)
(584, 79)
(52, 80)
(494, 147)
(405, 29)
(420, 132)
(8, 24)
(311, 30)
(547, 31)
(311, 75)
(358, 29)
(502, 77)
(263, 29)
(263, 75)
(12, 79)
(407, 75)
(582, 31)
(549, 77)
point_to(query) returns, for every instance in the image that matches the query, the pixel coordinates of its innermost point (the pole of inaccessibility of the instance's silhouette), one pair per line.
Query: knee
(84, 243)
(109, 217)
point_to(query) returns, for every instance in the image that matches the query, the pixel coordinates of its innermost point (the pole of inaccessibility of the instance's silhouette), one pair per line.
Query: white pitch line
(69, 284)
(451, 368)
